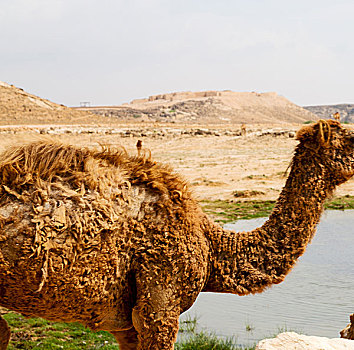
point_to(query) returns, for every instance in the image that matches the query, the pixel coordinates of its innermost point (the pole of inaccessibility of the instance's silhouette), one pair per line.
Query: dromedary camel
(119, 244)
(348, 332)
(336, 116)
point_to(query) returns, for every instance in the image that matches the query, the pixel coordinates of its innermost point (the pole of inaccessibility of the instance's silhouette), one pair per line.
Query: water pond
(316, 298)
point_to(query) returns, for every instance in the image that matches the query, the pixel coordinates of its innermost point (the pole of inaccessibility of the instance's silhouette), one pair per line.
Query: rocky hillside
(20, 107)
(326, 111)
(210, 107)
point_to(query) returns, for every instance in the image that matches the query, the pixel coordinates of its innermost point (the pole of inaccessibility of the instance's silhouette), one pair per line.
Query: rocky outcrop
(175, 96)
(294, 341)
(326, 111)
(210, 107)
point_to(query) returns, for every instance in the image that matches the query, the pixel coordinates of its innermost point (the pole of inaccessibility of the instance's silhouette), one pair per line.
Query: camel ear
(319, 133)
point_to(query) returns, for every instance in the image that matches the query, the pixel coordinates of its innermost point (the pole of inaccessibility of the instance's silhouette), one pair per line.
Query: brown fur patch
(44, 161)
(320, 132)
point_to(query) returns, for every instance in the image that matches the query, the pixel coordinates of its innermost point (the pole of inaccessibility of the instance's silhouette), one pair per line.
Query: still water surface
(316, 298)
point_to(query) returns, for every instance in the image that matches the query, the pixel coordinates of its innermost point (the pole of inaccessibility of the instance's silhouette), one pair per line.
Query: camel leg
(127, 340)
(156, 331)
(155, 317)
(4, 334)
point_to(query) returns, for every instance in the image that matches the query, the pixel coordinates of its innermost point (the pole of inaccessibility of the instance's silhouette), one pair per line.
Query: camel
(243, 130)
(139, 146)
(118, 242)
(336, 116)
(348, 331)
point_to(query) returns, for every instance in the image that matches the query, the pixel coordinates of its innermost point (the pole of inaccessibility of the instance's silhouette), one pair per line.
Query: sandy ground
(216, 166)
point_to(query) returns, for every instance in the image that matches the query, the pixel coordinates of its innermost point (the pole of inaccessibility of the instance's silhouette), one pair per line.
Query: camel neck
(248, 262)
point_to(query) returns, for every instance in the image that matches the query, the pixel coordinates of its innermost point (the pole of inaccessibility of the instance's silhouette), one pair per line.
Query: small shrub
(246, 193)
(206, 341)
(250, 328)
(189, 325)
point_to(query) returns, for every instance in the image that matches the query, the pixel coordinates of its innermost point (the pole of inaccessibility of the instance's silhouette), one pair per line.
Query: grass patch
(37, 333)
(227, 211)
(193, 339)
(189, 325)
(340, 203)
(208, 341)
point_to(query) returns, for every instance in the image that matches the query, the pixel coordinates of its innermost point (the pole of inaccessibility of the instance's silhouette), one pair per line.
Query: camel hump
(46, 161)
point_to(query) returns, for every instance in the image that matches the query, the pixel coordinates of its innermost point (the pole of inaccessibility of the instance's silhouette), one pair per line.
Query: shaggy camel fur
(119, 244)
(348, 332)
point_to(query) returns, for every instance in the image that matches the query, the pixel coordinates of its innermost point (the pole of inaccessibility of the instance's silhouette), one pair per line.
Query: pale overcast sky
(112, 51)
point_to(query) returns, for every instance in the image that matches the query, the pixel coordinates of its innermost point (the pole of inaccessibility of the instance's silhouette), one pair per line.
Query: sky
(108, 52)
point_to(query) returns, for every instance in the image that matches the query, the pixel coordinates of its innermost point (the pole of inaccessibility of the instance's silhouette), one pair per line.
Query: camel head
(330, 145)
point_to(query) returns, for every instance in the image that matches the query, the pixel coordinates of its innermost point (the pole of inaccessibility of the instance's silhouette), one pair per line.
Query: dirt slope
(219, 107)
(20, 107)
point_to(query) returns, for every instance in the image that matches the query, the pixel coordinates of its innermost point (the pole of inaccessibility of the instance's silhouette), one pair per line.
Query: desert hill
(212, 107)
(20, 107)
(325, 111)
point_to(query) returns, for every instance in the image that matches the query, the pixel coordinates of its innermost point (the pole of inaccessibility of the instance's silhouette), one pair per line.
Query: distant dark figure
(139, 145)
(336, 116)
(243, 130)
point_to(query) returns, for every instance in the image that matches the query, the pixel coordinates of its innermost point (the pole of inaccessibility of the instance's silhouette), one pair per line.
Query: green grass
(249, 327)
(193, 339)
(39, 334)
(208, 341)
(36, 333)
(340, 203)
(189, 325)
(227, 211)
